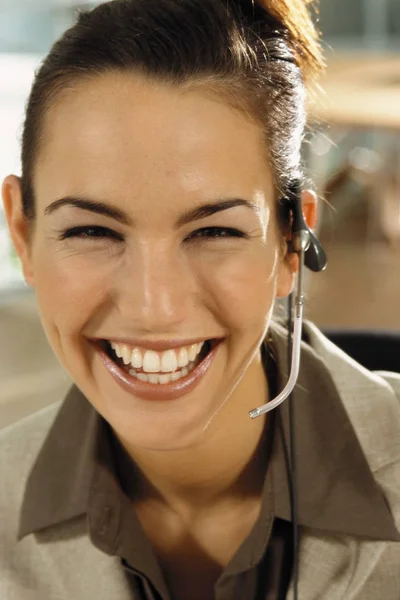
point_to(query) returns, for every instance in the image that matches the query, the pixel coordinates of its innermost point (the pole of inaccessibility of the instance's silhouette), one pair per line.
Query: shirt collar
(336, 489)
(59, 482)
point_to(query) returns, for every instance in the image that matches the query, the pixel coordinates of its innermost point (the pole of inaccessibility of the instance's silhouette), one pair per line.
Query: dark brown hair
(257, 55)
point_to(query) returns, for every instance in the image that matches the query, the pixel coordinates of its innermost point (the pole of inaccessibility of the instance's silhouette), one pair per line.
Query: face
(156, 233)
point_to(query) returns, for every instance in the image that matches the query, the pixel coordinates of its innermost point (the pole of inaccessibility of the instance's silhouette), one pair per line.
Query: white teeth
(126, 354)
(175, 376)
(158, 379)
(140, 376)
(183, 358)
(169, 362)
(117, 349)
(136, 359)
(192, 352)
(151, 362)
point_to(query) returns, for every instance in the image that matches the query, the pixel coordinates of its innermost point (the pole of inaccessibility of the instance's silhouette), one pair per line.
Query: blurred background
(352, 153)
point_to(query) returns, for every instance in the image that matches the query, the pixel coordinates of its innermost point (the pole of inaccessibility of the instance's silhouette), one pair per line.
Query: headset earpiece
(315, 257)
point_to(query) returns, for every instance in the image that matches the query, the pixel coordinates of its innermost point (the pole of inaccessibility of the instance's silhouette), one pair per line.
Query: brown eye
(90, 232)
(217, 233)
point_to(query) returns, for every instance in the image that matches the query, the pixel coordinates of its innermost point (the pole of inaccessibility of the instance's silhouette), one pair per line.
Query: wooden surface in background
(359, 289)
(360, 91)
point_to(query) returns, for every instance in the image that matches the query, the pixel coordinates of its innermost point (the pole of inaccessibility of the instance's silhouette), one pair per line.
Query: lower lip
(150, 391)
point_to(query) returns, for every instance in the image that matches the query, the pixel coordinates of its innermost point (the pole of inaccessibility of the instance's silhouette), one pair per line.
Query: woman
(160, 148)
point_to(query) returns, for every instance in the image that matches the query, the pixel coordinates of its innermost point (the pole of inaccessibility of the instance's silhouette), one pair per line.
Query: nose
(157, 291)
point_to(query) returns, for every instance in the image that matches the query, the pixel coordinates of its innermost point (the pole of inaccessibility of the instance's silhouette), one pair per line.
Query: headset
(311, 255)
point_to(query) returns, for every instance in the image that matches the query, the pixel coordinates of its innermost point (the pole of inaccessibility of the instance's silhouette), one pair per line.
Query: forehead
(125, 132)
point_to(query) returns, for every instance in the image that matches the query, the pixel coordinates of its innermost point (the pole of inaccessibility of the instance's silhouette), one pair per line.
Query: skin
(155, 152)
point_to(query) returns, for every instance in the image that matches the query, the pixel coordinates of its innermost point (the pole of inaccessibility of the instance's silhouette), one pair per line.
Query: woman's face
(166, 237)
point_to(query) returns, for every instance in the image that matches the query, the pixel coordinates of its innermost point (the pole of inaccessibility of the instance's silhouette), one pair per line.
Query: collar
(336, 490)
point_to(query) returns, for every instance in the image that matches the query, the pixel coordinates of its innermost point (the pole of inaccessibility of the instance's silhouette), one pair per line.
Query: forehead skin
(123, 138)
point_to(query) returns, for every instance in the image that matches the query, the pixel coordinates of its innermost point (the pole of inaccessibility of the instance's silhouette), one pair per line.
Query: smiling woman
(195, 244)
(156, 219)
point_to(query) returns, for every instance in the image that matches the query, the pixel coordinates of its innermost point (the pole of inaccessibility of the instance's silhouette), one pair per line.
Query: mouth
(158, 376)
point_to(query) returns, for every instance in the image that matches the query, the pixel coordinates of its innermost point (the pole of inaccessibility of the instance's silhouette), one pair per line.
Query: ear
(309, 206)
(290, 260)
(18, 225)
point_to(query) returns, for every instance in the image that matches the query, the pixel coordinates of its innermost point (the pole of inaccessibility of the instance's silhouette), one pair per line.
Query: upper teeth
(155, 362)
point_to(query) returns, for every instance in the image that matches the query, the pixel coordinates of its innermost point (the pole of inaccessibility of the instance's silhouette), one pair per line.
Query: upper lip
(158, 345)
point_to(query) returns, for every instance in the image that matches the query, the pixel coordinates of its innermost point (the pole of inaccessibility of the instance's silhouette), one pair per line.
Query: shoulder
(372, 402)
(20, 443)
(392, 379)
(372, 399)
(358, 387)
(22, 438)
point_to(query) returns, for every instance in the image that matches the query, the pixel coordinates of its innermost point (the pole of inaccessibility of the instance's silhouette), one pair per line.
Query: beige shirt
(77, 527)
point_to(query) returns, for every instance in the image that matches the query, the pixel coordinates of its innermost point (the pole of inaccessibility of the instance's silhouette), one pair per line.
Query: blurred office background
(352, 152)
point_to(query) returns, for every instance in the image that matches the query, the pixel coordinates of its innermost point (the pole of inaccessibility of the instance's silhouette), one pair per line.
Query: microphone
(311, 255)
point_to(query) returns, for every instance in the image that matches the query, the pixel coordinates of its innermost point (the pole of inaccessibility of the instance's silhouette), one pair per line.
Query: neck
(228, 463)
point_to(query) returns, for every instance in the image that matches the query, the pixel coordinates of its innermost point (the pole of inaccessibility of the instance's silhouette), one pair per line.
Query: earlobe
(286, 277)
(17, 224)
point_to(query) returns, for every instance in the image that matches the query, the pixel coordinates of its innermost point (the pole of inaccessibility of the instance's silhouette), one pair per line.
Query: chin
(160, 432)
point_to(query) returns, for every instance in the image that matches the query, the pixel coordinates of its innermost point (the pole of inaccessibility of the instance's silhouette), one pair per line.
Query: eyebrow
(195, 214)
(206, 210)
(100, 208)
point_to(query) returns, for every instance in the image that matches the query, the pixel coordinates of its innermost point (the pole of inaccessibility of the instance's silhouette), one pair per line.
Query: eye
(90, 232)
(217, 233)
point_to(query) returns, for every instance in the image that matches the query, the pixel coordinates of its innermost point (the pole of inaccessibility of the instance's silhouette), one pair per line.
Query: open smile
(158, 375)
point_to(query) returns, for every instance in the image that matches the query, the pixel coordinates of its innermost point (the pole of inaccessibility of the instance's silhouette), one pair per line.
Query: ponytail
(302, 34)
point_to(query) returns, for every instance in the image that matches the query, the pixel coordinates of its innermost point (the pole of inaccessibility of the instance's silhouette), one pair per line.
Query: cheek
(243, 286)
(236, 287)
(68, 288)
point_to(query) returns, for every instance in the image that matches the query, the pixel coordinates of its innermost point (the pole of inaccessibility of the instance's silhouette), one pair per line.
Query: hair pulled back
(256, 55)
